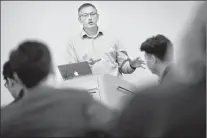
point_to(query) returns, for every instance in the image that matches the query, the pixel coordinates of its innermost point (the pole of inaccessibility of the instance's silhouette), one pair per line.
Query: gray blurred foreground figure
(177, 107)
(43, 111)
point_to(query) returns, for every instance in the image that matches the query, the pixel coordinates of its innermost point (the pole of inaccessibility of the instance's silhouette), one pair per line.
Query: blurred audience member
(15, 88)
(177, 107)
(44, 111)
(158, 54)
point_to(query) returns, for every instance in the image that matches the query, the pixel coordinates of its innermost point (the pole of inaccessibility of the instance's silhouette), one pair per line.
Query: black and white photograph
(103, 69)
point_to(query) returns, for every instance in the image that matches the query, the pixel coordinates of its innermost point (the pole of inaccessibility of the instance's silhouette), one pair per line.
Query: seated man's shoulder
(73, 93)
(56, 94)
(158, 92)
(170, 90)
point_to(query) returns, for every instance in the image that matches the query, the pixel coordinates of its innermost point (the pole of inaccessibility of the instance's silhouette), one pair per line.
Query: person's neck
(20, 95)
(39, 86)
(48, 82)
(161, 69)
(91, 31)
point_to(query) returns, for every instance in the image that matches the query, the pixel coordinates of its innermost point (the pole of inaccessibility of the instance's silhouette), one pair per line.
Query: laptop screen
(70, 71)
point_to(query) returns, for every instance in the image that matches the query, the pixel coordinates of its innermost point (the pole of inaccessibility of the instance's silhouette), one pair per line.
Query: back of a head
(159, 46)
(7, 71)
(31, 61)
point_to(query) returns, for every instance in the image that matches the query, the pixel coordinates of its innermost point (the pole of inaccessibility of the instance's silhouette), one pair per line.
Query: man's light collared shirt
(114, 59)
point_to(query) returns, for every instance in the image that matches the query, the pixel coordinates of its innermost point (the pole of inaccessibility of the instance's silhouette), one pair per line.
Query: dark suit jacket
(171, 109)
(53, 113)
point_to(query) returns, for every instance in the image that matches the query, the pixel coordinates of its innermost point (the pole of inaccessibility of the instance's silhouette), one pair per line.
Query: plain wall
(54, 22)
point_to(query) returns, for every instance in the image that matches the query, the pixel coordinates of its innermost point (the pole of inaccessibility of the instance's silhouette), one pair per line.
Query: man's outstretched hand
(92, 61)
(137, 62)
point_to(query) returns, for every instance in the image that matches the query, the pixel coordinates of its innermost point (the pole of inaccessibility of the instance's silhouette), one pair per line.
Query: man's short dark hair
(157, 45)
(7, 71)
(85, 5)
(32, 62)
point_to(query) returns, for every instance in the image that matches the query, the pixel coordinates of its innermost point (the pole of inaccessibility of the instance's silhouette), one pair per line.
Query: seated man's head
(158, 53)
(11, 84)
(31, 62)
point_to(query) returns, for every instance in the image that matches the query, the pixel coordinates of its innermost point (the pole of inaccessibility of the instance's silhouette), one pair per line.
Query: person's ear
(79, 19)
(17, 79)
(153, 59)
(97, 16)
(10, 82)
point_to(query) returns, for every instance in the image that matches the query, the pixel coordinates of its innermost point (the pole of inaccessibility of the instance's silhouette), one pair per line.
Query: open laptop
(70, 71)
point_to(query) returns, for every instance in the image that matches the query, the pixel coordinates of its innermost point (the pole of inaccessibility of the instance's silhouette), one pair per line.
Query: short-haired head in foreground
(158, 53)
(31, 62)
(157, 45)
(11, 84)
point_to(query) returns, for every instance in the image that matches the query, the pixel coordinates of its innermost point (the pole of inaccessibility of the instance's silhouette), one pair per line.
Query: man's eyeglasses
(86, 15)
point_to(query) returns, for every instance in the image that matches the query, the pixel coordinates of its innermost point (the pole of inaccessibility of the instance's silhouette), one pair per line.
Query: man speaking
(104, 54)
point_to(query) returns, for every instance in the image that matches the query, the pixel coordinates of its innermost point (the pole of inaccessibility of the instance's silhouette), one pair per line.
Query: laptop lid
(70, 71)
